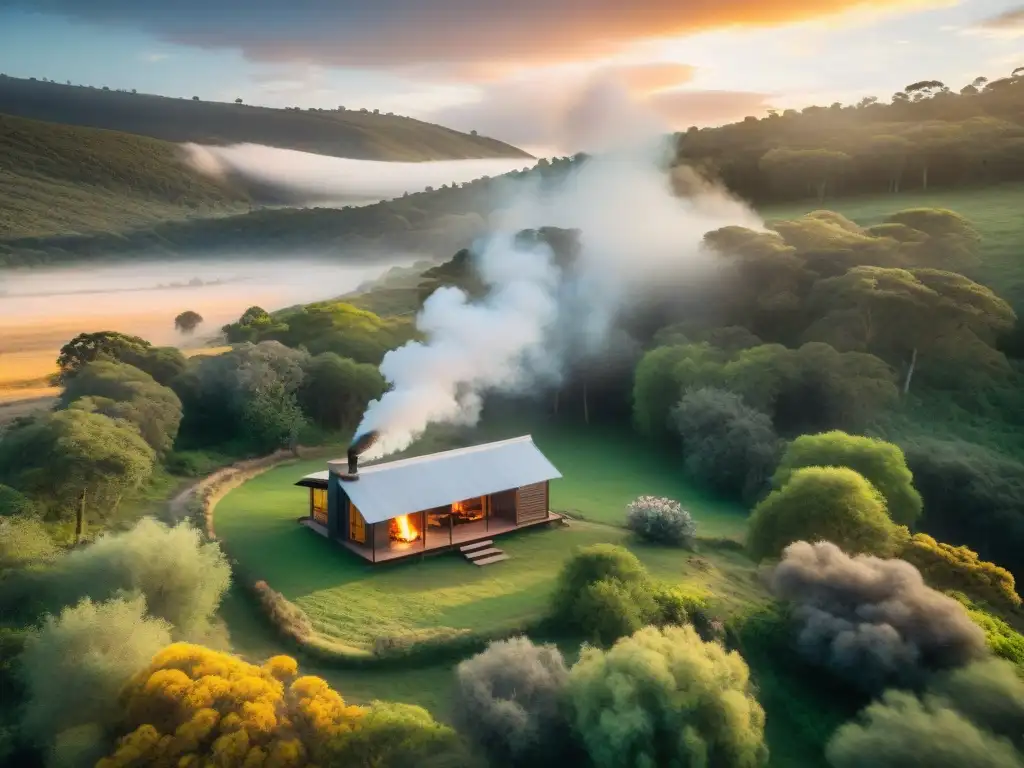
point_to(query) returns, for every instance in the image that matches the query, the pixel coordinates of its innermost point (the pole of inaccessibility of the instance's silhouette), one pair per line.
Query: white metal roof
(394, 488)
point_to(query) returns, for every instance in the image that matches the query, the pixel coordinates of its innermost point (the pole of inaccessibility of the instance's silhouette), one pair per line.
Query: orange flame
(403, 529)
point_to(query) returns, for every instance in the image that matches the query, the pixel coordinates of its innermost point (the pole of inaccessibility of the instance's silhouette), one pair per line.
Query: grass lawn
(353, 602)
(998, 213)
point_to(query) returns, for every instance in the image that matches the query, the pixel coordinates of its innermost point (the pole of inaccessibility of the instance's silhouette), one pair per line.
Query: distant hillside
(60, 180)
(348, 133)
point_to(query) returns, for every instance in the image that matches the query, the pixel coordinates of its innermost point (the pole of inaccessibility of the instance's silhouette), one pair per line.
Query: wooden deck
(436, 542)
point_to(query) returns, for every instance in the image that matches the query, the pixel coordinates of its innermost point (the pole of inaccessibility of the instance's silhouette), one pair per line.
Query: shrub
(661, 520)
(14, 503)
(590, 565)
(901, 731)
(665, 697)
(824, 504)
(872, 622)
(182, 578)
(882, 464)
(76, 665)
(176, 710)
(727, 445)
(509, 701)
(946, 567)
(1002, 639)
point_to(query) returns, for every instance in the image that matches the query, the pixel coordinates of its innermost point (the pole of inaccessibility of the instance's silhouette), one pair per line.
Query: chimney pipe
(360, 445)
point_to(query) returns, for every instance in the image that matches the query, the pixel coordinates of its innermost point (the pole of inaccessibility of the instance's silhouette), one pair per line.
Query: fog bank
(309, 177)
(41, 308)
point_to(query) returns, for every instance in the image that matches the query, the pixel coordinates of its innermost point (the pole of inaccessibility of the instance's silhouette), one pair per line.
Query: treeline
(928, 135)
(129, 409)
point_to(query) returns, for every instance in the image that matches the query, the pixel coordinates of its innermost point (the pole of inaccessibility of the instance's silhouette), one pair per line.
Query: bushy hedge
(661, 520)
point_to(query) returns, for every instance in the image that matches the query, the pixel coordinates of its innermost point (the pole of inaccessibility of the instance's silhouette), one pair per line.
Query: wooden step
(475, 545)
(491, 559)
(478, 553)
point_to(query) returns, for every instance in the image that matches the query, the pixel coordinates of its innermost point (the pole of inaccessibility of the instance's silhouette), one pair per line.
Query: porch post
(451, 526)
(373, 538)
(487, 513)
(423, 527)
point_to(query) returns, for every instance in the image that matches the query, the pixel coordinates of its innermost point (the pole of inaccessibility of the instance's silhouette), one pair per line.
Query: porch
(433, 542)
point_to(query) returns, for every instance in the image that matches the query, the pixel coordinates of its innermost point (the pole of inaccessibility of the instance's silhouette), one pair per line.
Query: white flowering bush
(661, 520)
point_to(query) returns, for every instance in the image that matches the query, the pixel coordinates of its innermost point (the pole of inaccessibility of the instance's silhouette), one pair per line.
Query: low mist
(305, 177)
(42, 308)
(537, 320)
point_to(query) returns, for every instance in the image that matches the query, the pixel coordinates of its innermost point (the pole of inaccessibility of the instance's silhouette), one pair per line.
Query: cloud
(548, 113)
(1008, 24)
(388, 33)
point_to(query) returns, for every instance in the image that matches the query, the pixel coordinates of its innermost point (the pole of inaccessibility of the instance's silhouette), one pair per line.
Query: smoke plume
(874, 622)
(537, 317)
(309, 177)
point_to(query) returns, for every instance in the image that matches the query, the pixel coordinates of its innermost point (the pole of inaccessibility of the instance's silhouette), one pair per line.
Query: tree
(73, 460)
(195, 98)
(193, 704)
(86, 347)
(162, 363)
(238, 101)
(901, 314)
(818, 169)
(833, 504)
(509, 701)
(336, 390)
(187, 321)
(24, 541)
(182, 578)
(674, 700)
(880, 463)
(14, 503)
(122, 391)
(727, 444)
(76, 665)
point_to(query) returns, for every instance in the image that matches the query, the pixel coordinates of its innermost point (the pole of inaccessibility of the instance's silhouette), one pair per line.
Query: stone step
(475, 545)
(478, 553)
(491, 559)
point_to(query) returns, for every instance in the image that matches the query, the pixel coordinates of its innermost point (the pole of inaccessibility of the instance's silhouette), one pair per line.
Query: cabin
(397, 509)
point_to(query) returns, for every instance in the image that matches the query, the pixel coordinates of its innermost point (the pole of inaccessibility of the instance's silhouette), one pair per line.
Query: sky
(517, 70)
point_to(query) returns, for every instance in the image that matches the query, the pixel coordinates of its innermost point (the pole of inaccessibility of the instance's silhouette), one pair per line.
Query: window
(318, 504)
(356, 524)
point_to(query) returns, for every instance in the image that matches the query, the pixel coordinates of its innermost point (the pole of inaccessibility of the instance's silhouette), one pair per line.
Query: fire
(402, 529)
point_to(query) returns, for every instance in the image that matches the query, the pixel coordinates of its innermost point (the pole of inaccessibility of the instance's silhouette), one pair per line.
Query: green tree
(817, 170)
(73, 461)
(14, 503)
(833, 504)
(335, 390)
(122, 391)
(727, 444)
(880, 463)
(24, 541)
(187, 321)
(665, 697)
(87, 347)
(900, 314)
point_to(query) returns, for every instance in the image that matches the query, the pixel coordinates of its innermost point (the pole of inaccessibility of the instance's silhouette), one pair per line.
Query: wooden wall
(532, 503)
(503, 505)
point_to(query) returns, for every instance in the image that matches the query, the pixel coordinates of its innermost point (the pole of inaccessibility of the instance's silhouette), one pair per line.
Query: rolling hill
(63, 180)
(344, 133)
